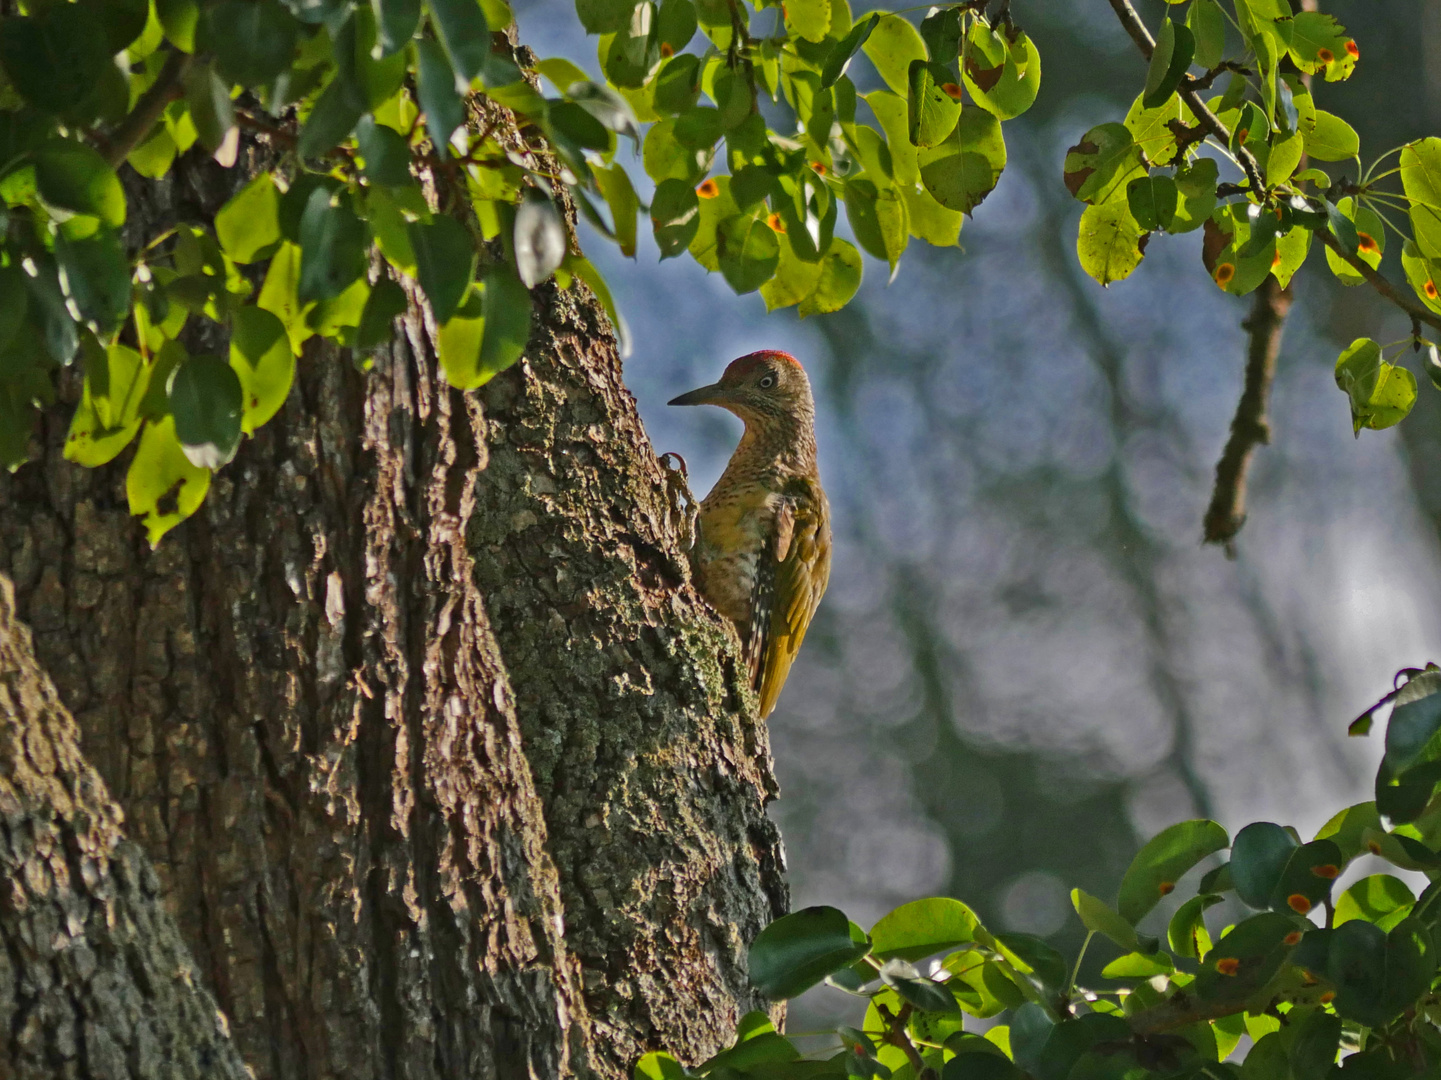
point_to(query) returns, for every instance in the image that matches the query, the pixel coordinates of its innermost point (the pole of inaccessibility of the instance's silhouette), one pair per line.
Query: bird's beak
(713, 394)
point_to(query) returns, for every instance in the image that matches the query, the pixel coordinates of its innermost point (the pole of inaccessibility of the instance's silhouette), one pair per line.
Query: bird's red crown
(739, 369)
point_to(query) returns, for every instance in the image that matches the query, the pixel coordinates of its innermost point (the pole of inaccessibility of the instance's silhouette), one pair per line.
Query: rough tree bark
(94, 979)
(444, 769)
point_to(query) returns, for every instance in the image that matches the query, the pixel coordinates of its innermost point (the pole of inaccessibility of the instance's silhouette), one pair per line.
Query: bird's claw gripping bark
(682, 509)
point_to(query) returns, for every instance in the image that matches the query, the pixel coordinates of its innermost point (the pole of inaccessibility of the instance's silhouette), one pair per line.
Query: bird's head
(761, 387)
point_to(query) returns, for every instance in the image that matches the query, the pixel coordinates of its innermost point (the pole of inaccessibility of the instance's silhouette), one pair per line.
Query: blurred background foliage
(1027, 662)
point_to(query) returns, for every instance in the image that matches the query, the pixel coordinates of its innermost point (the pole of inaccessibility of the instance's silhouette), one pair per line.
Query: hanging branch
(1249, 427)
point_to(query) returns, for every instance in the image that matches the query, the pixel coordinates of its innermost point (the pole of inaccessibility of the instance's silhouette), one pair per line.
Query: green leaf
(109, 412)
(837, 282)
(1285, 156)
(95, 275)
(842, 52)
(1421, 180)
(1186, 934)
(248, 226)
(1159, 864)
(333, 246)
(13, 303)
(1319, 43)
(1411, 732)
(677, 86)
(630, 56)
(262, 358)
(676, 23)
(1329, 138)
(878, 219)
(1381, 395)
(1378, 975)
(205, 401)
(72, 176)
(658, 1066)
(1380, 899)
(604, 16)
(1153, 201)
(153, 157)
(1422, 274)
(1347, 828)
(48, 310)
(279, 295)
(385, 153)
(981, 987)
(1137, 965)
(892, 45)
(928, 220)
(506, 305)
(445, 263)
(747, 252)
(395, 23)
(931, 112)
(57, 58)
(1258, 859)
(793, 281)
(1247, 956)
(162, 486)
(665, 157)
(1175, 47)
(179, 18)
(798, 950)
(1031, 956)
(922, 993)
(963, 170)
(1099, 918)
(1370, 241)
(923, 927)
(435, 83)
(464, 32)
(1207, 24)
(1108, 243)
(333, 118)
(1102, 163)
(1307, 877)
(811, 19)
(1002, 74)
(212, 113)
(253, 40)
(675, 216)
(386, 303)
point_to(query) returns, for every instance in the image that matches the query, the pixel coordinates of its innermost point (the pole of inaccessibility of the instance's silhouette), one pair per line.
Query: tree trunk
(444, 769)
(94, 979)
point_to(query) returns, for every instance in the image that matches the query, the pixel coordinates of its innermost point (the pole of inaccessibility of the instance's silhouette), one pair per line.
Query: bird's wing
(790, 581)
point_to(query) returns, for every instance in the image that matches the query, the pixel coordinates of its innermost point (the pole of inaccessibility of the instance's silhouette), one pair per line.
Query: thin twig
(1249, 427)
(897, 1037)
(136, 126)
(1380, 283)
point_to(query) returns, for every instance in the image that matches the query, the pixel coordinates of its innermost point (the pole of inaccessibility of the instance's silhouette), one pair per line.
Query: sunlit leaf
(162, 486)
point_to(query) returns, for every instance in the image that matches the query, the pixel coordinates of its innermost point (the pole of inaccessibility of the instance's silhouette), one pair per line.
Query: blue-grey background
(1027, 662)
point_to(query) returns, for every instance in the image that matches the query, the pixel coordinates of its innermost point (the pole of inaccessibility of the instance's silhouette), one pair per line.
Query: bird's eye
(767, 381)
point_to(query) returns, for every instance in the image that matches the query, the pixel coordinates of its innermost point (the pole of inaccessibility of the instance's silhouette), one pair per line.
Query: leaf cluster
(1161, 168)
(1323, 984)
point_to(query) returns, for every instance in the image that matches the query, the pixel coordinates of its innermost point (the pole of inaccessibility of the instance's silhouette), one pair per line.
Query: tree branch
(1380, 283)
(133, 129)
(1249, 427)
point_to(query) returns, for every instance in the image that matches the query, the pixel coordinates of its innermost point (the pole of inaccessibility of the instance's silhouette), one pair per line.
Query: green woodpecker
(763, 554)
